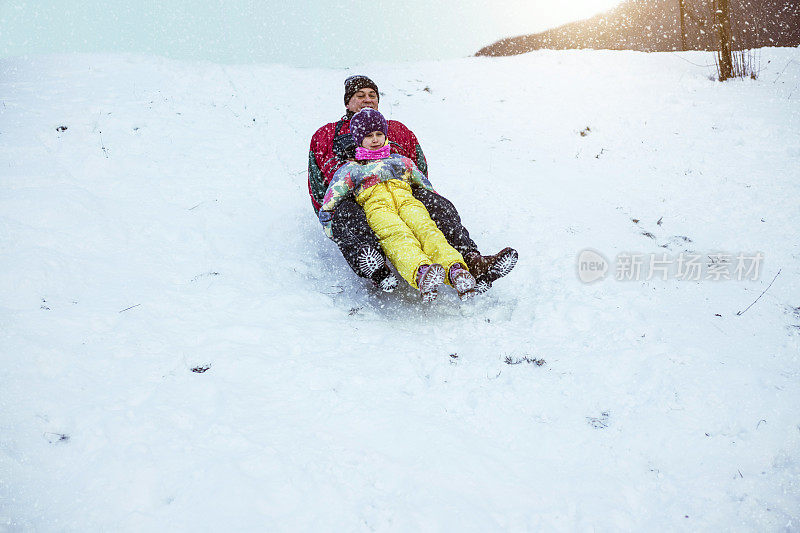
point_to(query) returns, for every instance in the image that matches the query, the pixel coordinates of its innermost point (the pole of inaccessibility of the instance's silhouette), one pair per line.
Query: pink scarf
(365, 153)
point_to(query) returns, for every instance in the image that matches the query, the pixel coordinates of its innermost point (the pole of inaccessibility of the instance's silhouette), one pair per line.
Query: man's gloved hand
(344, 147)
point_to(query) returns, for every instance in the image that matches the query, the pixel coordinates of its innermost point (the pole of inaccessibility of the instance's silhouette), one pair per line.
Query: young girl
(382, 184)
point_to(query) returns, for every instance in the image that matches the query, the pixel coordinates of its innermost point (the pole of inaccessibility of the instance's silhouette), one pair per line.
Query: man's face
(365, 97)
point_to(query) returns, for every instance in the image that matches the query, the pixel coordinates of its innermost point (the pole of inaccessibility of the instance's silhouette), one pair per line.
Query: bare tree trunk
(682, 4)
(723, 22)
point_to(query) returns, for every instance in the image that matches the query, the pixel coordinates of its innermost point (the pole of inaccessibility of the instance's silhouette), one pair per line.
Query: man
(332, 145)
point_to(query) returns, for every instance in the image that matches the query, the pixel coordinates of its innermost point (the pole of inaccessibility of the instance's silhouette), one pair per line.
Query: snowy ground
(168, 228)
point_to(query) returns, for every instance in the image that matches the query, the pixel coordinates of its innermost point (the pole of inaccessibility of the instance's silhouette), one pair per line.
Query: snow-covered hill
(154, 223)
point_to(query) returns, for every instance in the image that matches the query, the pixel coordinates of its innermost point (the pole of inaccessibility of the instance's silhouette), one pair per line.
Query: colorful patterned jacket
(355, 177)
(323, 163)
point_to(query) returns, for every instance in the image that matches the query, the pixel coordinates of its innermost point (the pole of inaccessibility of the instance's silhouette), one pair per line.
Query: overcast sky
(302, 33)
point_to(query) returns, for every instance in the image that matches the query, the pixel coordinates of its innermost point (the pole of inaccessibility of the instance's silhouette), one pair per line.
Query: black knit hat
(355, 83)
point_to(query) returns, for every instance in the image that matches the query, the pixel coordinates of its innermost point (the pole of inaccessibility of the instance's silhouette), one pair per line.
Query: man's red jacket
(323, 164)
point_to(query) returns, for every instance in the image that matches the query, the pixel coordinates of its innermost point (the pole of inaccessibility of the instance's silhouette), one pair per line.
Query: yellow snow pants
(408, 236)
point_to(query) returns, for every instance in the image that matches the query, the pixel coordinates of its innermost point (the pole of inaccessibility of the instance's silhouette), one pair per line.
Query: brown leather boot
(488, 268)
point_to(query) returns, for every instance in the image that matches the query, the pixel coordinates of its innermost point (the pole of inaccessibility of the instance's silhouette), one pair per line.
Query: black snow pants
(351, 232)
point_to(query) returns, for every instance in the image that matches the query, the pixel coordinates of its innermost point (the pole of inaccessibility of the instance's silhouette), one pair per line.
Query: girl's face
(374, 140)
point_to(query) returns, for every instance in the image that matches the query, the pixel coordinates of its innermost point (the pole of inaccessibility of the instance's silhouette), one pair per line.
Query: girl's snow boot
(429, 277)
(462, 281)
